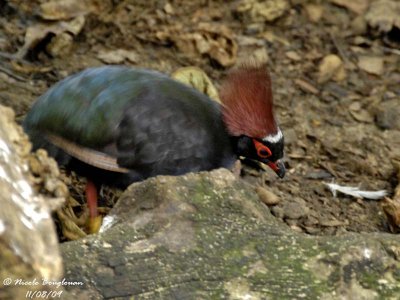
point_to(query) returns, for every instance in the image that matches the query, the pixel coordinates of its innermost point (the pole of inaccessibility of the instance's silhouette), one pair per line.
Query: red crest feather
(246, 96)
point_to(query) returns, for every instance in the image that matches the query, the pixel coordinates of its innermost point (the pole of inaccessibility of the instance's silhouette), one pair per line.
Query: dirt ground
(335, 70)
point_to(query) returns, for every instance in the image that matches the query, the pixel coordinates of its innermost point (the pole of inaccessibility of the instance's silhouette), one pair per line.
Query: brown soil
(340, 122)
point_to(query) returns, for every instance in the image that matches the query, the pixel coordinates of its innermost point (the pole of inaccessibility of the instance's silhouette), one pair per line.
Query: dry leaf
(293, 55)
(223, 47)
(333, 223)
(36, 33)
(198, 79)
(359, 27)
(314, 12)
(117, 56)
(362, 115)
(259, 54)
(355, 106)
(357, 6)
(384, 15)
(245, 41)
(328, 67)
(371, 64)
(214, 40)
(261, 11)
(69, 227)
(63, 9)
(29, 68)
(306, 86)
(60, 45)
(271, 37)
(340, 75)
(169, 9)
(391, 207)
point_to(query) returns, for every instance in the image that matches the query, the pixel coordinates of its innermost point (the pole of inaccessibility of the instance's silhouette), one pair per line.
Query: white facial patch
(274, 138)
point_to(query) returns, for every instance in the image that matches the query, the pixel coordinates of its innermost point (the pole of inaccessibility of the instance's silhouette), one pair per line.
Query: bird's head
(248, 115)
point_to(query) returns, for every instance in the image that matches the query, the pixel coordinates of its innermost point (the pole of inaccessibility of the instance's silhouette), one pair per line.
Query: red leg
(91, 197)
(94, 223)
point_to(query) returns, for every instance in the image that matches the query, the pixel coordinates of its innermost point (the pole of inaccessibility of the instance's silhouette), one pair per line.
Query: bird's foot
(94, 224)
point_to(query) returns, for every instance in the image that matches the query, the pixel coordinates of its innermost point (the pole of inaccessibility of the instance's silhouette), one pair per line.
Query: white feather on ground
(355, 192)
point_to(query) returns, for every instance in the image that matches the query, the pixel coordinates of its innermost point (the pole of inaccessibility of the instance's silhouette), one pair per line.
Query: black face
(263, 151)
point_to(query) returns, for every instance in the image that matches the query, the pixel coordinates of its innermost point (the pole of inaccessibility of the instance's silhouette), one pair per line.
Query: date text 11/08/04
(43, 294)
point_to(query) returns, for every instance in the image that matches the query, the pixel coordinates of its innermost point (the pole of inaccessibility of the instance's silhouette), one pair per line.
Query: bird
(117, 125)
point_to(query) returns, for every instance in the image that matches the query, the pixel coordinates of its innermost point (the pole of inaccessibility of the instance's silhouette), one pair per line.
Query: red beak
(278, 167)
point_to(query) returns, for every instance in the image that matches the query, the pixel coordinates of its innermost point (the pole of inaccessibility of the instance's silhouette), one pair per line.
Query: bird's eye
(262, 150)
(263, 153)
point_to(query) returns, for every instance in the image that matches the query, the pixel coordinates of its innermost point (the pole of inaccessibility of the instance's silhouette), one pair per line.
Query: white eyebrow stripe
(274, 138)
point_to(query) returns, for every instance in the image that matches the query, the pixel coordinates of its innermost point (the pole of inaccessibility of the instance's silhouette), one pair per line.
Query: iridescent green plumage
(148, 122)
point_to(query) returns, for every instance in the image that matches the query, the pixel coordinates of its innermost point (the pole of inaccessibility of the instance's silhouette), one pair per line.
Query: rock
(371, 64)
(278, 212)
(207, 235)
(330, 67)
(29, 249)
(169, 9)
(293, 55)
(267, 196)
(118, 56)
(387, 114)
(60, 45)
(318, 174)
(290, 136)
(314, 12)
(359, 25)
(295, 209)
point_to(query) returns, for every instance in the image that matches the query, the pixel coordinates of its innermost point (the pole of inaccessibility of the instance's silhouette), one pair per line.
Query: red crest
(247, 102)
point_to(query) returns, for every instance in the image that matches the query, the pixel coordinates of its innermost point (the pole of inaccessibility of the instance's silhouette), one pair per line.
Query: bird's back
(144, 119)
